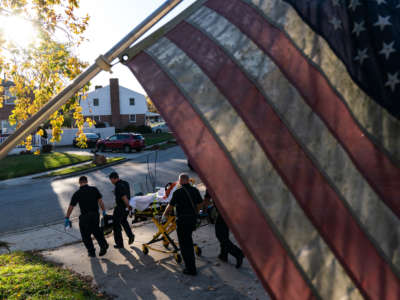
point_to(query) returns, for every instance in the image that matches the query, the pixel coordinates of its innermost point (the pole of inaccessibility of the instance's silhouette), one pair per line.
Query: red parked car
(122, 141)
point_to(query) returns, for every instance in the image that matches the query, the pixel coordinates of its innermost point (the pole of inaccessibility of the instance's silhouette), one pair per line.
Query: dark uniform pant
(184, 231)
(88, 225)
(120, 216)
(222, 233)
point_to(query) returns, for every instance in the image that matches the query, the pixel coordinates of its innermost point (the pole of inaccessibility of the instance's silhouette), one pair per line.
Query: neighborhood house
(115, 105)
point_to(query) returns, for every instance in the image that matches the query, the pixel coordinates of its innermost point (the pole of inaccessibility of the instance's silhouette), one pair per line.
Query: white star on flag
(358, 28)
(393, 80)
(353, 4)
(337, 24)
(382, 22)
(361, 55)
(387, 49)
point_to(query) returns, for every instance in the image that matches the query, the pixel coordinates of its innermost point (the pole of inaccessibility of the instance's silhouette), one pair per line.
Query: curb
(59, 177)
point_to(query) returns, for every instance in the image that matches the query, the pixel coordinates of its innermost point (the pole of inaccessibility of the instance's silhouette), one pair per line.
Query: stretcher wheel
(166, 244)
(197, 250)
(145, 250)
(178, 258)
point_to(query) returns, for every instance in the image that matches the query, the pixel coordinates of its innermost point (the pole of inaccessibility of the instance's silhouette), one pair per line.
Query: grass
(21, 165)
(155, 138)
(24, 275)
(167, 145)
(82, 168)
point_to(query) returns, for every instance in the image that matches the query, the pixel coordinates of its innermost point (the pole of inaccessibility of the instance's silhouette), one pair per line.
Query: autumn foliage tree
(152, 108)
(42, 68)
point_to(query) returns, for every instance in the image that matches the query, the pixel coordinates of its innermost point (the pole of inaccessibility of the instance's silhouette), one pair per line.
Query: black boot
(239, 261)
(103, 251)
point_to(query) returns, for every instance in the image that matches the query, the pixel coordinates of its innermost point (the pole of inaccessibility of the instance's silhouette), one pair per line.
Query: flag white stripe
(274, 198)
(382, 225)
(372, 117)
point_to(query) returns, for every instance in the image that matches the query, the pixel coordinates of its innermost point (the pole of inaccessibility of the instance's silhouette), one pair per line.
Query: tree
(150, 105)
(42, 68)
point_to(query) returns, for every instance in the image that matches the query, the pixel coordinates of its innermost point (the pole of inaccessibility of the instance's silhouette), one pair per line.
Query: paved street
(44, 201)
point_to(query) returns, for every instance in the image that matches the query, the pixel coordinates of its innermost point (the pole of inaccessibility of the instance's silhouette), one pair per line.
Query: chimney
(114, 99)
(98, 87)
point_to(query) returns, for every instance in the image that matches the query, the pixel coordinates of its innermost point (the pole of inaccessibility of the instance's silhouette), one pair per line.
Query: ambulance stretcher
(153, 206)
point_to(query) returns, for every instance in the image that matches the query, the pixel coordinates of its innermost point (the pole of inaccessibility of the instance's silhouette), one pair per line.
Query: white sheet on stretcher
(143, 202)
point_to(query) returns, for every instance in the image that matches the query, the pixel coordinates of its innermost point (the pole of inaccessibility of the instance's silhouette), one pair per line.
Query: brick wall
(114, 98)
(140, 120)
(5, 111)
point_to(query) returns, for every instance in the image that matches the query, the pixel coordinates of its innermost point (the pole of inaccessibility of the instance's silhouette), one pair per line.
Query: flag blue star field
(365, 35)
(290, 113)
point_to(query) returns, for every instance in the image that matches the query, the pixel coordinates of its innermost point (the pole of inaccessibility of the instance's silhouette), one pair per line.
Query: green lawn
(27, 276)
(167, 145)
(155, 138)
(20, 165)
(84, 167)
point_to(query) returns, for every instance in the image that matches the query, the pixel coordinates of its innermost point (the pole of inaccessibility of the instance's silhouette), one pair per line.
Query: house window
(96, 102)
(132, 118)
(96, 118)
(8, 99)
(5, 127)
(131, 101)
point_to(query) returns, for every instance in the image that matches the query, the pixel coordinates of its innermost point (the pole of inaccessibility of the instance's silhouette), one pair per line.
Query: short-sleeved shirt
(183, 203)
(87, 197)
(122, 189)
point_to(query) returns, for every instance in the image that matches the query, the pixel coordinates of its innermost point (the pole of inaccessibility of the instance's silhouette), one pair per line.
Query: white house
(115, 105)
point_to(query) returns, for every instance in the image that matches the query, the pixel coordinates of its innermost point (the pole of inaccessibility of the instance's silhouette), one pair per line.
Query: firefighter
(89, 199)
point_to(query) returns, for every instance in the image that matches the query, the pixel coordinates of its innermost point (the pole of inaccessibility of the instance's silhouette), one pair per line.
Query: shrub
(130, 128)
(100, 125)
(47, 148)
(25, 152)
(144, 129)
(138, 129)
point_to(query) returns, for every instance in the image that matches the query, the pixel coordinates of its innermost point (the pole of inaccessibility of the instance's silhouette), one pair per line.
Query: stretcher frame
(163, 234)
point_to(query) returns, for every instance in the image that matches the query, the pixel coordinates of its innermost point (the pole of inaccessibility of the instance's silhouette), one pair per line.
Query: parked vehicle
(160, 128)
(91, 142)
(122, 141)
(3, 137)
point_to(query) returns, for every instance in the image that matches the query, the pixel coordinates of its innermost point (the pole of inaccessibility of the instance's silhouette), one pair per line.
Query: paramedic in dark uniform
(186, 199)
(121, 211)
(222, 234)
(89, 199)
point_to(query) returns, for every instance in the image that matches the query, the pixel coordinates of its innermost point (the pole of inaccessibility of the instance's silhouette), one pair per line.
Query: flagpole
(103, 62)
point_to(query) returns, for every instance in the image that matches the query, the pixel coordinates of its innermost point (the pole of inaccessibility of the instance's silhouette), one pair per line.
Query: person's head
(83, 180)
(114, 177)
(183, 178)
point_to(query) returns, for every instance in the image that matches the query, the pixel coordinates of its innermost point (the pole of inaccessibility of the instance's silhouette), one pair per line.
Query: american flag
(289, 111)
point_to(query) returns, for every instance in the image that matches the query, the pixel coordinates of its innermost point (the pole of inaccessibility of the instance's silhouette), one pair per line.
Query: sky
(110, 22)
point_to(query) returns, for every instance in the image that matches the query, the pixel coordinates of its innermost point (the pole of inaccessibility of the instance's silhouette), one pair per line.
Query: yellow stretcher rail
(163, 234)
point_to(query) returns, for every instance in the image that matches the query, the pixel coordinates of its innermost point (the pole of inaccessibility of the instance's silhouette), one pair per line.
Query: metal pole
(103, 62)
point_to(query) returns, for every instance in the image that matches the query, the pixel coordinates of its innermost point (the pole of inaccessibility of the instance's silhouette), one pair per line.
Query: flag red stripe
(305, 181)
(270, 260)
(379, 171)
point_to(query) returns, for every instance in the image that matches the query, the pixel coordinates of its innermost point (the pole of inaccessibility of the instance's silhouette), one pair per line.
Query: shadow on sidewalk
(142, 277)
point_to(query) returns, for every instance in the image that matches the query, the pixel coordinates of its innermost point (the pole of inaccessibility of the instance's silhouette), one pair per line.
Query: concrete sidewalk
(129, 274)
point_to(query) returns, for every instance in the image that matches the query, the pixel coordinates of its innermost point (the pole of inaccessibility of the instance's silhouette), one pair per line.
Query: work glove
(104, 213)
(67, 223)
